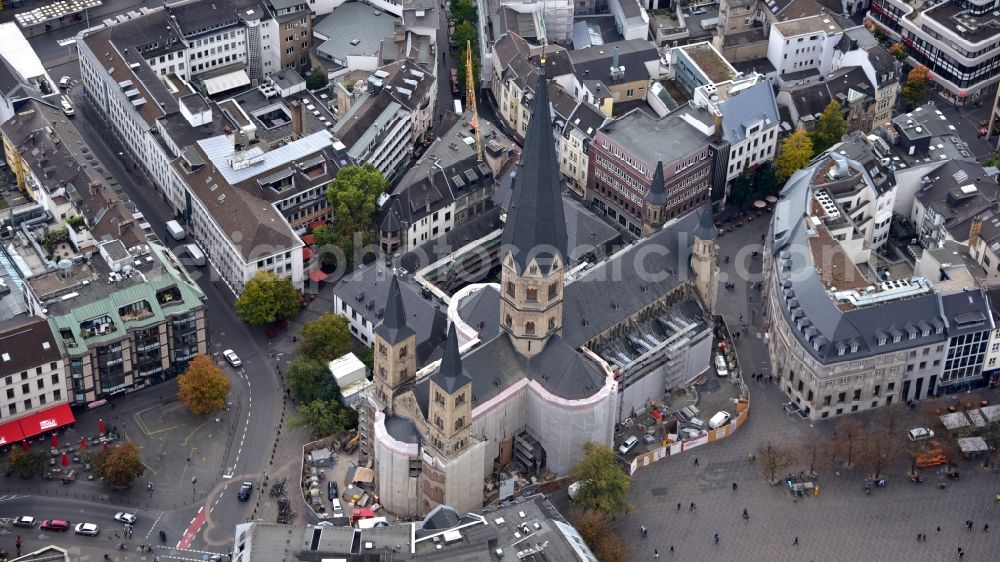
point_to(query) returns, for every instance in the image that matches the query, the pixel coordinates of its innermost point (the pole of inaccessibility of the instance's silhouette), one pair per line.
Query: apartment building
(293, 33)
(515, 72)
(21, 72)
(698, 64)
(575, 125)
(804, 46)
(35, 391)
(627, 151)
(845, 337)
(957, 41)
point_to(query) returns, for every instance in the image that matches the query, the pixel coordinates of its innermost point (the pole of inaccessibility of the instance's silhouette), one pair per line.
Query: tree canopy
(27, 464)
(742, 189)
(316, 79)
(324, 417)
(120, 465)
(795, 153)
(830, 128)
(603, 540)
(325, 338)
(267, 298)
(899, 51)
(603, 483)
(352, 195)
(310, 380)
(463, 11)
(916, 85)
(203, 386)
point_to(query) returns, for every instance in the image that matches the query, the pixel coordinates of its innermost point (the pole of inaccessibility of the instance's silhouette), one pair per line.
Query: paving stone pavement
(841, 524)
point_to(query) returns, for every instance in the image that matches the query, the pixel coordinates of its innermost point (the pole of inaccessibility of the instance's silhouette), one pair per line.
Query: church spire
(657, 194)
(393, 328)
(536, 225)
(450, 376)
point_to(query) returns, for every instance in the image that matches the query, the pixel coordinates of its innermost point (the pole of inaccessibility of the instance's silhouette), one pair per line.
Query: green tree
(27, 464)
(742, 189)
(916, 85)
(310, 380)
(603, 483)
(899, 51)
(368, 358)
(795, 153)
(324, 417)
(267, 298)
(316, 79)
(765, 180)
(830, 128)
(465, 33)
(119, 466)
(325, 338)
(352, 195)
(203, 386)
(463, 11)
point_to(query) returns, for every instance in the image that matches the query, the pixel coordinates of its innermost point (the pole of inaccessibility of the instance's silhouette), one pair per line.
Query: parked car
(628, 444)
(67, 107)
(64, 82)
(719, 419)
(920, 433)
(127, 518)
(233, 359)
(245, 490)
(331, 489)
(54, 525)
(721, 367)
(25, 521)
(88, 529)
(337, 510)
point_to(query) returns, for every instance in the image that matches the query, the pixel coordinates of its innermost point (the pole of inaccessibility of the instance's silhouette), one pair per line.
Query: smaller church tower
(704, 259)
(395, 349)
(654, 207)
(449, 409)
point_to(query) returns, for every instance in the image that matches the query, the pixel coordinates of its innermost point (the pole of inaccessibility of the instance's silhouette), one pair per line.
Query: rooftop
(812, 24)
(25, 343)
(956, 17)
(594, 63)
(716, 68)
(354, 28)
(653, 140)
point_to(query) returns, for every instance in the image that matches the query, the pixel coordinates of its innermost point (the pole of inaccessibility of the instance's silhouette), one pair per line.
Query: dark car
(245, 490)
(331, 489)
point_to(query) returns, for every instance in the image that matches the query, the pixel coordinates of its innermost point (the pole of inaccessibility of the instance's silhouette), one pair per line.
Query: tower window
(552, 324)
(508, 321)
(459, 423)
(553, 290)
(510, 288)
(529, 328)
(531, 294)
(402, 352)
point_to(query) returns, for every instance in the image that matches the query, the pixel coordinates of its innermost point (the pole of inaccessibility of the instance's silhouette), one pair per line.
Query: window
(10, 393)
(57, 394)
(841, 397)
(531, 294)
(460, 399)
(508, 321)
(553, 290)
(459, 423)
(25, 388)
(12, 409)
(857, 394)
(403, 352)
(552, 325)
(529, 328)
(27, 404)
(52, 367)
(510, 289)
(438, 398)
(40, 383)
(826, 400)
(876, 390)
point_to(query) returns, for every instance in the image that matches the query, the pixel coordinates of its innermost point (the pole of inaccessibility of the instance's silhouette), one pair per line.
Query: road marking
(154, 525)
(246, 428)
(193, 431)
(192, 530)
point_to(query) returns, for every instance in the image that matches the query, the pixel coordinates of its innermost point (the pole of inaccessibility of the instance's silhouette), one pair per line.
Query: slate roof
(706, 225)
(449, 375)
(594, 63)
(812, 98)
(402, 429)
(393, 328)
(482, 312)
(746, 108)
(967, 312)
(25, 343)
(536, 225)
(657, 194)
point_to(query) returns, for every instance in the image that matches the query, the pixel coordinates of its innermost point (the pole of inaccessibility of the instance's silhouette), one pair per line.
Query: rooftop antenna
(470, 85)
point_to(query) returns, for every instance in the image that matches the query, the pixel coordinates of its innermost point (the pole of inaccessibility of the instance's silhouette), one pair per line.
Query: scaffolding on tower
(470, 85)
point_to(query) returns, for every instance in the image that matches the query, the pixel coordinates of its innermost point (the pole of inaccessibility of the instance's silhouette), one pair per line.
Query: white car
(64, 82)
(338, 511)
(233, 359)
(24, 521)
(89, 529)
(626, 446)
(127, 518)
(719, 419)
(721, 367)
(920, 433)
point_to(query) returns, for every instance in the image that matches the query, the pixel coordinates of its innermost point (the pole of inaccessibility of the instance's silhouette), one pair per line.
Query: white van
(721, 367)
(719, 419)
(67, 108)
(176, 231)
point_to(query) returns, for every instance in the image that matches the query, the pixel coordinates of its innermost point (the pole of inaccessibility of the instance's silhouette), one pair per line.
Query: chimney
(974, 229)
(614, 61)
(297, 131)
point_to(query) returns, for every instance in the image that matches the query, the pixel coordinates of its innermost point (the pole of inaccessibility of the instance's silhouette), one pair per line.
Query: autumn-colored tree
(899, 51)
(603, 483)
(916, 85)
(27, 464)
(203, 386)
(848, 440)
(830, 128)
(795, 153)
(325, 338)
(267, 298)
(774, 459)
(120, 465)
(604, 541)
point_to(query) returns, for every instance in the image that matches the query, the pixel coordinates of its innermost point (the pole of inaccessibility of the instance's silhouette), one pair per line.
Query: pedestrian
(796, 541)
(656, 553)
(939, 528)
(734, 486)
(643, 530)
(696, 461)
(692, 507)
(671, 549)
(961, 553)
(918, 537)
(746, 515)
(678, 506)
(968, 523)
(716, 538)
(986, 528)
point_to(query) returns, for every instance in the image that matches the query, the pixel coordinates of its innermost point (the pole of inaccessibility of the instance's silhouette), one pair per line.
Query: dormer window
(881, 340)
(896, 338)
(841, 350)
(854, 348)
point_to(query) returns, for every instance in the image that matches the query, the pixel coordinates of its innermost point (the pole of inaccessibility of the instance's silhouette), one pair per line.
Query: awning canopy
(317, 224)
(10, 432)
(50, 419)
(306, 253)
(226, 82)
(316, 276)
(308, 239)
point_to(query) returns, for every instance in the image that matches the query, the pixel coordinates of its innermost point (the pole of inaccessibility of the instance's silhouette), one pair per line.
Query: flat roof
(715, 67)
(18, 52)
(354, 29)
(653, 140)
(812, 24)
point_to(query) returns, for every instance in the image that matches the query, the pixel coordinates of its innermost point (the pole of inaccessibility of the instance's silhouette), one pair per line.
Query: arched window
(529, 328)
(510, 288)
(552, 324)
(531, 294)
(508, 321)
(553, 290)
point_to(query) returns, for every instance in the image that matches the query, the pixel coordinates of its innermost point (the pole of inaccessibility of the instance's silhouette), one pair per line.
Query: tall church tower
(449, 409)
(654, 206)
(704, 259)
(395, 349)
(533, 246)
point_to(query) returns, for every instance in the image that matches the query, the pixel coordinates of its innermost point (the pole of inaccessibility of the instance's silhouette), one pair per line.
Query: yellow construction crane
(470, 86)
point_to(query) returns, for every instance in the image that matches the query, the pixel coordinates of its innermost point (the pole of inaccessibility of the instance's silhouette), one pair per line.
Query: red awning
(308, 239)
(10, 432)
(306, 253)
(314, 224)
(46, 420)
(317, 276)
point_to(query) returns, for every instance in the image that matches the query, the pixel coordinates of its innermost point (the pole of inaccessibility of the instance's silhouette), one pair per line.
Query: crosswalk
(8, 497)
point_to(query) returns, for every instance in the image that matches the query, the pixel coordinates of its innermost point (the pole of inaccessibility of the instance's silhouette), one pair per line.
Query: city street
(842, 523)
